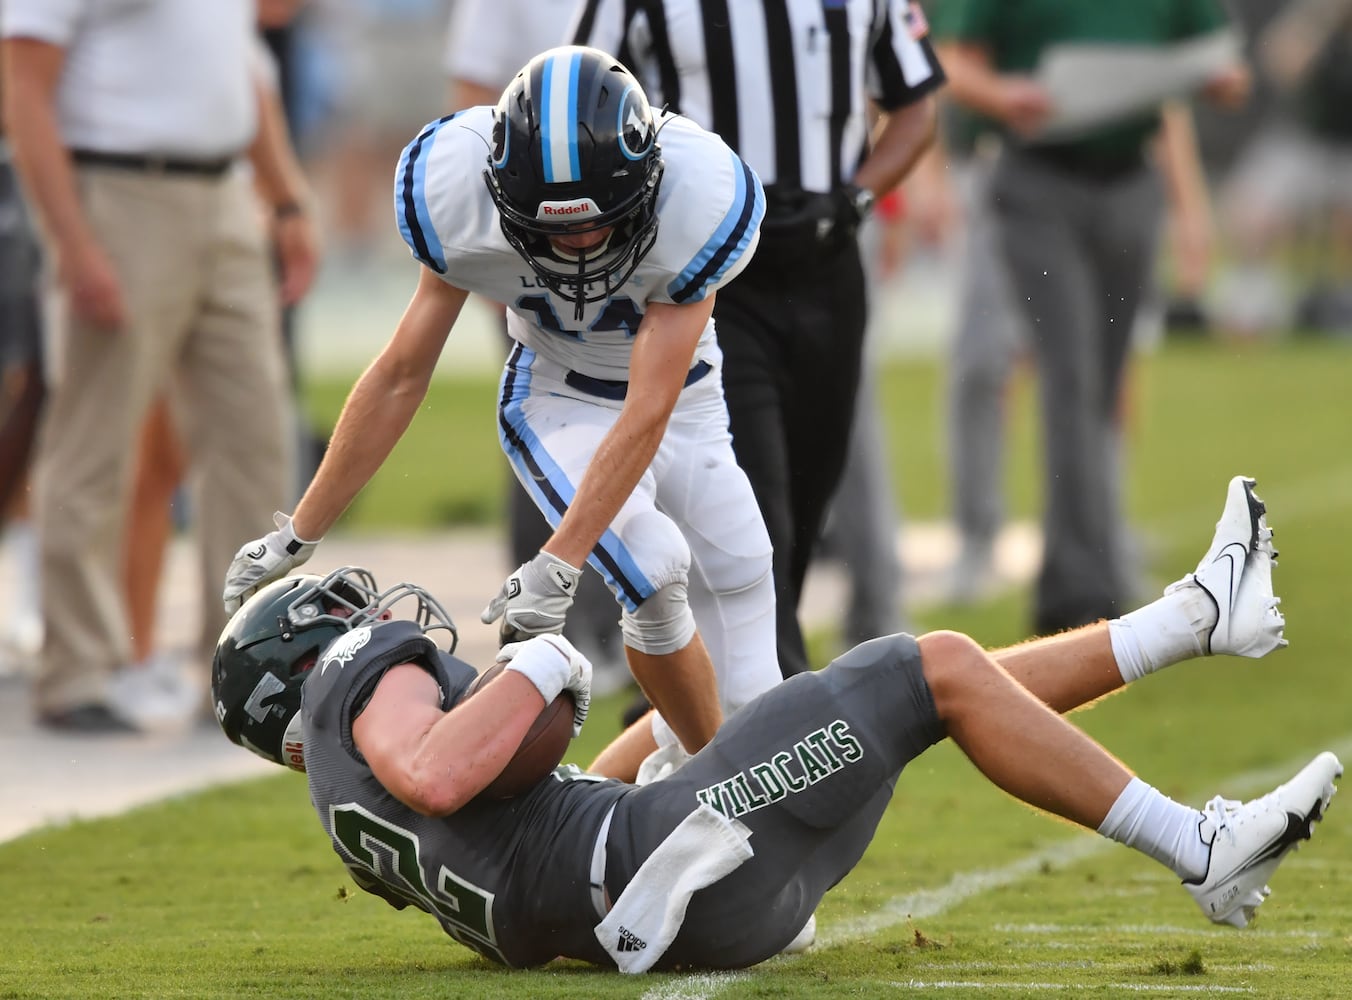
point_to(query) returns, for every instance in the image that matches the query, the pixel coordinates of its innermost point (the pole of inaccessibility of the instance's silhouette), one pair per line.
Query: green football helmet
(269, 645)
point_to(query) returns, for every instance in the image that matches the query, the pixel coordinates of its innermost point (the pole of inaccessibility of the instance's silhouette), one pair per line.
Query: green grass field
(964, 893)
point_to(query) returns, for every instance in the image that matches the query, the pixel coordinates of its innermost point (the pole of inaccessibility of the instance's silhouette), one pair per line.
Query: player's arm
(381, 405)
(663, 351)
(435, 761)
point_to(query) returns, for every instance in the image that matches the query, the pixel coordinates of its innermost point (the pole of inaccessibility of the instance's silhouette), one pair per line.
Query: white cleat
(1250, 839)
(1236, 573)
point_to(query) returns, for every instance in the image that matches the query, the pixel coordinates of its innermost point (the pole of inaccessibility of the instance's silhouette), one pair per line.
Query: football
(541, 749)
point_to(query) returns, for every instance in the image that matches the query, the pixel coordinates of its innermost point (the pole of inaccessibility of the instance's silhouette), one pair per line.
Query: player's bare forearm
(664, 350)
(433, 761)
(620, 461)
(380, 406)
(376, 414)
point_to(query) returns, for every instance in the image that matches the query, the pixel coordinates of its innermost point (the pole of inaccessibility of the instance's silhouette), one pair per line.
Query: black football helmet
(574, 151)
(273, 640)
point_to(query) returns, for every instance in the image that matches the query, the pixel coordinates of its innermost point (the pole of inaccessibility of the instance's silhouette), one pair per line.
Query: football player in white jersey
(605, 229)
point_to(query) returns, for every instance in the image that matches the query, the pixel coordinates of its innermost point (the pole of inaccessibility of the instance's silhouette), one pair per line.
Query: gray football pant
(986, 342)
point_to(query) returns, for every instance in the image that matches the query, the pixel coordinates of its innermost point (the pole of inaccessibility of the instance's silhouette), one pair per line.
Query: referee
(792, 86)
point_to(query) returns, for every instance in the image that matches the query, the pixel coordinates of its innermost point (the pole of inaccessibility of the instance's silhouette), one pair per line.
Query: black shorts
(809, 767)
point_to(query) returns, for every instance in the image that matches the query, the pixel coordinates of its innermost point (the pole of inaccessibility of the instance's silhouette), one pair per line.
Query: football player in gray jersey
(720, 864)
(606, 229)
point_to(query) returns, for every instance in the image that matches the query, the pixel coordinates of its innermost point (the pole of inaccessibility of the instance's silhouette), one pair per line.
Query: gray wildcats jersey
(709, 208)
(508, 878)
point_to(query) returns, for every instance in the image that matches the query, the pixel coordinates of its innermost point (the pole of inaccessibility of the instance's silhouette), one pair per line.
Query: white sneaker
(1236, 573)
(972, 577)
(804, 939)
(154, 696)
(1250, 839)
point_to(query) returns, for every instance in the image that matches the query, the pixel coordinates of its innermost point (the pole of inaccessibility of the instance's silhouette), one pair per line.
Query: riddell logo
(582, 208)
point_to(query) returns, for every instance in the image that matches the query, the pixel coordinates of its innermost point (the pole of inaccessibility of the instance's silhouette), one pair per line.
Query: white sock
(1165, 631)
(1145, 818)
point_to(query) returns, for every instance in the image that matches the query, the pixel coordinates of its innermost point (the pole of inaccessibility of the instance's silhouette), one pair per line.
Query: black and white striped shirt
(786, 83)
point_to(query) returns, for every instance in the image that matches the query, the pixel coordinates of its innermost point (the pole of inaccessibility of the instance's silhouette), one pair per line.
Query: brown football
(542, 748)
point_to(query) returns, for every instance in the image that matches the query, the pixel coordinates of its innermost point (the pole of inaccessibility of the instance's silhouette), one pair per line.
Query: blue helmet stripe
(558, 118)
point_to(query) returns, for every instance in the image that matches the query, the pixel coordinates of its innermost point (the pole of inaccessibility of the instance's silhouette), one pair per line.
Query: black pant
(792, 331)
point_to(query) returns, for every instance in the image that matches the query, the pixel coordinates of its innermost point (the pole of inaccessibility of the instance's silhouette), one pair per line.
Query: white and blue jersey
(709, 208)
(692, 517)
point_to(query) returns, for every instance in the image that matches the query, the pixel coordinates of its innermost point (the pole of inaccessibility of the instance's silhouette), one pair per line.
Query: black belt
(1087, 164)
(147, 164)
(610, 389)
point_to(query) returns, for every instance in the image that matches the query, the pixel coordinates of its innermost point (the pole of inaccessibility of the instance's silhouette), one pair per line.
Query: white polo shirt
(491, 40)
(161, 77)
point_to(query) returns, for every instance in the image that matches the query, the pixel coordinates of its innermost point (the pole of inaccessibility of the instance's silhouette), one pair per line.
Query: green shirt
(961, 126)
(1016, 32)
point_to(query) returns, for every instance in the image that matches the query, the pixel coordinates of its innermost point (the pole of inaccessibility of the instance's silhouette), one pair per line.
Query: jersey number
(391, 856)
(620, 313)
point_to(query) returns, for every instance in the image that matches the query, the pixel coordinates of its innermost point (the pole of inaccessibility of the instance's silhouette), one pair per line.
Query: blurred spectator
(1077, 220)
(951, 193)
(21, 395)
(161, 464)
(863, 521)
(488, 42)
(383, 58)
(129, 126)
(1289, 196)
(951, 190)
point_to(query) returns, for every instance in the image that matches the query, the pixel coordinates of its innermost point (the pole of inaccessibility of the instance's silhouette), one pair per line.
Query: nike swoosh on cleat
(1235, 567)
(1297, 829)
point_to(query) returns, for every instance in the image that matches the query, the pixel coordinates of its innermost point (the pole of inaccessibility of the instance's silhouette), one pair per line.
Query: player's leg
(550, 436)
(809, 767)
(1225, 606)
(1224, 853)
(701, 486)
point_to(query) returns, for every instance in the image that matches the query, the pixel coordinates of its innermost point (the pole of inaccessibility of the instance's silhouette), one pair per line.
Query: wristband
(544, 665)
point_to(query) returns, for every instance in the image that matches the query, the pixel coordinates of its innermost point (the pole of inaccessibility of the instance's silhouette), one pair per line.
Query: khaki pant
(197, 280)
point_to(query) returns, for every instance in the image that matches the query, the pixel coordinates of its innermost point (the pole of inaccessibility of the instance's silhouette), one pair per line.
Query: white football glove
(264, 560)
(553, 665)
(534, 600)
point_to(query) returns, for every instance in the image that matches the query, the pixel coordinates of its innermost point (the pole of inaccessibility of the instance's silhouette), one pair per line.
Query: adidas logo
(629, 941)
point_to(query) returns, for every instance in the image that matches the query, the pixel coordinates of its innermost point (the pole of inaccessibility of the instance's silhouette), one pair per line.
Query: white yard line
(976, 984)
